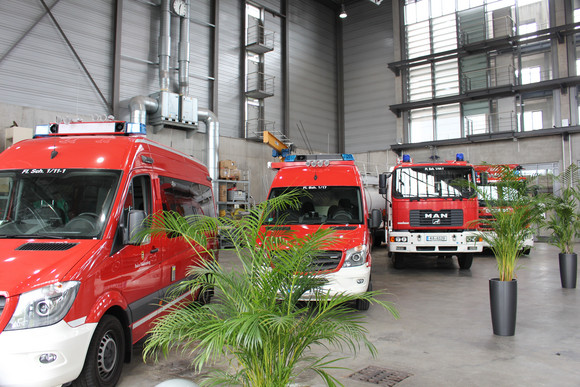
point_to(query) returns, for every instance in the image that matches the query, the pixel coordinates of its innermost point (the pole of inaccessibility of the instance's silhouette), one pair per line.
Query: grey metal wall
(230, 82)
(369, 86)
(38, 69)
(312, 73)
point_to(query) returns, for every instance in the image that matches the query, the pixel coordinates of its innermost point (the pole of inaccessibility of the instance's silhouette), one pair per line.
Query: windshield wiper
(36, 236)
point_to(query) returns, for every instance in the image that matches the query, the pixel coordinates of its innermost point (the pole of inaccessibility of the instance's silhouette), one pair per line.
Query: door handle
(154, 250)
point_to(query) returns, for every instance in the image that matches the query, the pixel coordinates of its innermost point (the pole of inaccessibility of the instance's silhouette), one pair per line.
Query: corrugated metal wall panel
(41, 71)
(369, 84)
(274, 106)
(230, 83)
(312, 72)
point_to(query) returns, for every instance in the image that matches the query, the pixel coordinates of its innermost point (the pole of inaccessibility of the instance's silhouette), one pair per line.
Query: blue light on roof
(290, 158)
(347, 157)
(406, 158)
(136, 128)
(459, 157)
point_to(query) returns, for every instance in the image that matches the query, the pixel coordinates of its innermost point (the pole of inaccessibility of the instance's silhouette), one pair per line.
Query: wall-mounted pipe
(213, 141)
(184, 52)
(139, 106)
(164, 45)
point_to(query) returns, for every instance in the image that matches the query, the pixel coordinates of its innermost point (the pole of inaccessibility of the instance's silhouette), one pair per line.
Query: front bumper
(434, 242)
(349, 280)
(20, 352)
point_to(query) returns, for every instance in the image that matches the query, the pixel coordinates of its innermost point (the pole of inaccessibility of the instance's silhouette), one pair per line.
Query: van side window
(186, 198)
(138, 198)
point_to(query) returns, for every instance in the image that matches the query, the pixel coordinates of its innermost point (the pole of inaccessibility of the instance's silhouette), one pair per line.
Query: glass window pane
(448, 122)
(421, 125)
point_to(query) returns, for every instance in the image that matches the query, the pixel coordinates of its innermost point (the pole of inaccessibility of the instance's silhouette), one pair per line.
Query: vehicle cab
(76, 291)
(334, 198)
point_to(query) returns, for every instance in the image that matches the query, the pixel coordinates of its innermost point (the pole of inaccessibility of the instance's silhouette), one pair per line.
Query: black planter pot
(503, 299)
(568, 269)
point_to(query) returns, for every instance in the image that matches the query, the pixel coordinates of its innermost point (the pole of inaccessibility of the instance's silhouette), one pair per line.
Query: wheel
(398, 261)
(361, 304)
(526, 250)
(105, 356)
(465, 261)
(378, 238)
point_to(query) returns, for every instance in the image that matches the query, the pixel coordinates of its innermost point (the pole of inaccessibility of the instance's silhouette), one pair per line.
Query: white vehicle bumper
(435, 243)
(350, 280)
(20, 352)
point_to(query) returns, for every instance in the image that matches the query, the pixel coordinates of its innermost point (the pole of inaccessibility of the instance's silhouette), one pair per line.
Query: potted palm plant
(564, 222)
(513, 210)
(256, 318)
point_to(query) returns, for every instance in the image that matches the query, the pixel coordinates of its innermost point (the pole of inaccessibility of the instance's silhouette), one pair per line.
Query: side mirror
(135, 220)
(383, 183)
(376, 219)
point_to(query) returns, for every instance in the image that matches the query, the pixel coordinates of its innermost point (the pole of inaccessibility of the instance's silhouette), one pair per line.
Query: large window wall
(461, 60)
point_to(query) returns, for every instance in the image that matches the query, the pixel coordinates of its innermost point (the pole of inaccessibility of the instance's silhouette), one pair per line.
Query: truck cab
(431, 210)
(334, 198)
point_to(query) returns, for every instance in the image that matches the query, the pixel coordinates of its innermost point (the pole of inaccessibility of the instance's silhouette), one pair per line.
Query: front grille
(46, 246)
(443, 218)
(326, 260)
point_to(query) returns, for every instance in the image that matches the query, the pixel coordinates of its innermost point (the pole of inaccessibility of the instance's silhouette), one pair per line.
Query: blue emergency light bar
(406, 158)
(105, 127)
(459, 157)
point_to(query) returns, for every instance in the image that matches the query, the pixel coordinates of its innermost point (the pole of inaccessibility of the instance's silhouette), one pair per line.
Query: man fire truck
(431, 207)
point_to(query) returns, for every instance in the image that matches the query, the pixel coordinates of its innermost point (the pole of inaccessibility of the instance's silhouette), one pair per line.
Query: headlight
(44, 306)
(356, 256)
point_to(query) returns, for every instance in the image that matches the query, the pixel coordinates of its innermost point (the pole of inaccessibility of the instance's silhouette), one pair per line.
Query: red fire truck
(487, 177)
(335, 199)
(76, 291)
(430, 206)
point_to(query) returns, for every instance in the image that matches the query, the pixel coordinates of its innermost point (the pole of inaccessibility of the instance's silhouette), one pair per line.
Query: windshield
(55, 203)
(490, 195)
(433, 182)
(323, 205)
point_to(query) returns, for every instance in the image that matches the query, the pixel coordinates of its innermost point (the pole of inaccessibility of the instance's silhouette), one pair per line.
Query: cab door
(139, 264)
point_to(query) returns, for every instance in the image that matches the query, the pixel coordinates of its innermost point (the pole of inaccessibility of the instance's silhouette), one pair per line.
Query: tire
(465, 261)
(364, 304)
(105, 356)
(526, 251)
(398, 261)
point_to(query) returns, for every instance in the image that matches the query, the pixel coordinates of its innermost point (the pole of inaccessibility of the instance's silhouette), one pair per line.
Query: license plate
(436, 238)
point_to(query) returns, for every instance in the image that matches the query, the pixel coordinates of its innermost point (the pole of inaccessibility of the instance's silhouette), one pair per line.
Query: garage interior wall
(331, 77)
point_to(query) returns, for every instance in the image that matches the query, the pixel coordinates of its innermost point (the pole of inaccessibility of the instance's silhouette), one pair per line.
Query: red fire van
(334, 198)
(75, 290)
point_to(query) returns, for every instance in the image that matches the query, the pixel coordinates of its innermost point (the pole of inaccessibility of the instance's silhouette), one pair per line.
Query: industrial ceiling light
(342, 14)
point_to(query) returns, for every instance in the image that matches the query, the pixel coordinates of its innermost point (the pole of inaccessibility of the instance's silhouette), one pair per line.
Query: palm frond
(256, 317)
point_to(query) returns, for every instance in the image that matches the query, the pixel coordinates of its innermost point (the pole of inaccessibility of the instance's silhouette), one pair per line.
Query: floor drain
(380, 376)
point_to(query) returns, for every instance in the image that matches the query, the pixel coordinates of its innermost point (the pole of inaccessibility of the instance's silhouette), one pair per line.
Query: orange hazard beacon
(76, 291)
(334, 198)
(431, 209)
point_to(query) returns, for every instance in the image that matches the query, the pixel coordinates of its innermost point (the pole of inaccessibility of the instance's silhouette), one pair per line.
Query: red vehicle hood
(30, 264)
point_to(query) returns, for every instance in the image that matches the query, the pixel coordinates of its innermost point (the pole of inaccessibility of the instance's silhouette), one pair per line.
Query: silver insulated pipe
(164, 45)
(213, 142)
(184, 52)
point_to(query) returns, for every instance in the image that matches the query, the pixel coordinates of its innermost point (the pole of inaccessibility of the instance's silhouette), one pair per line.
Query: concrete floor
(444, 336)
